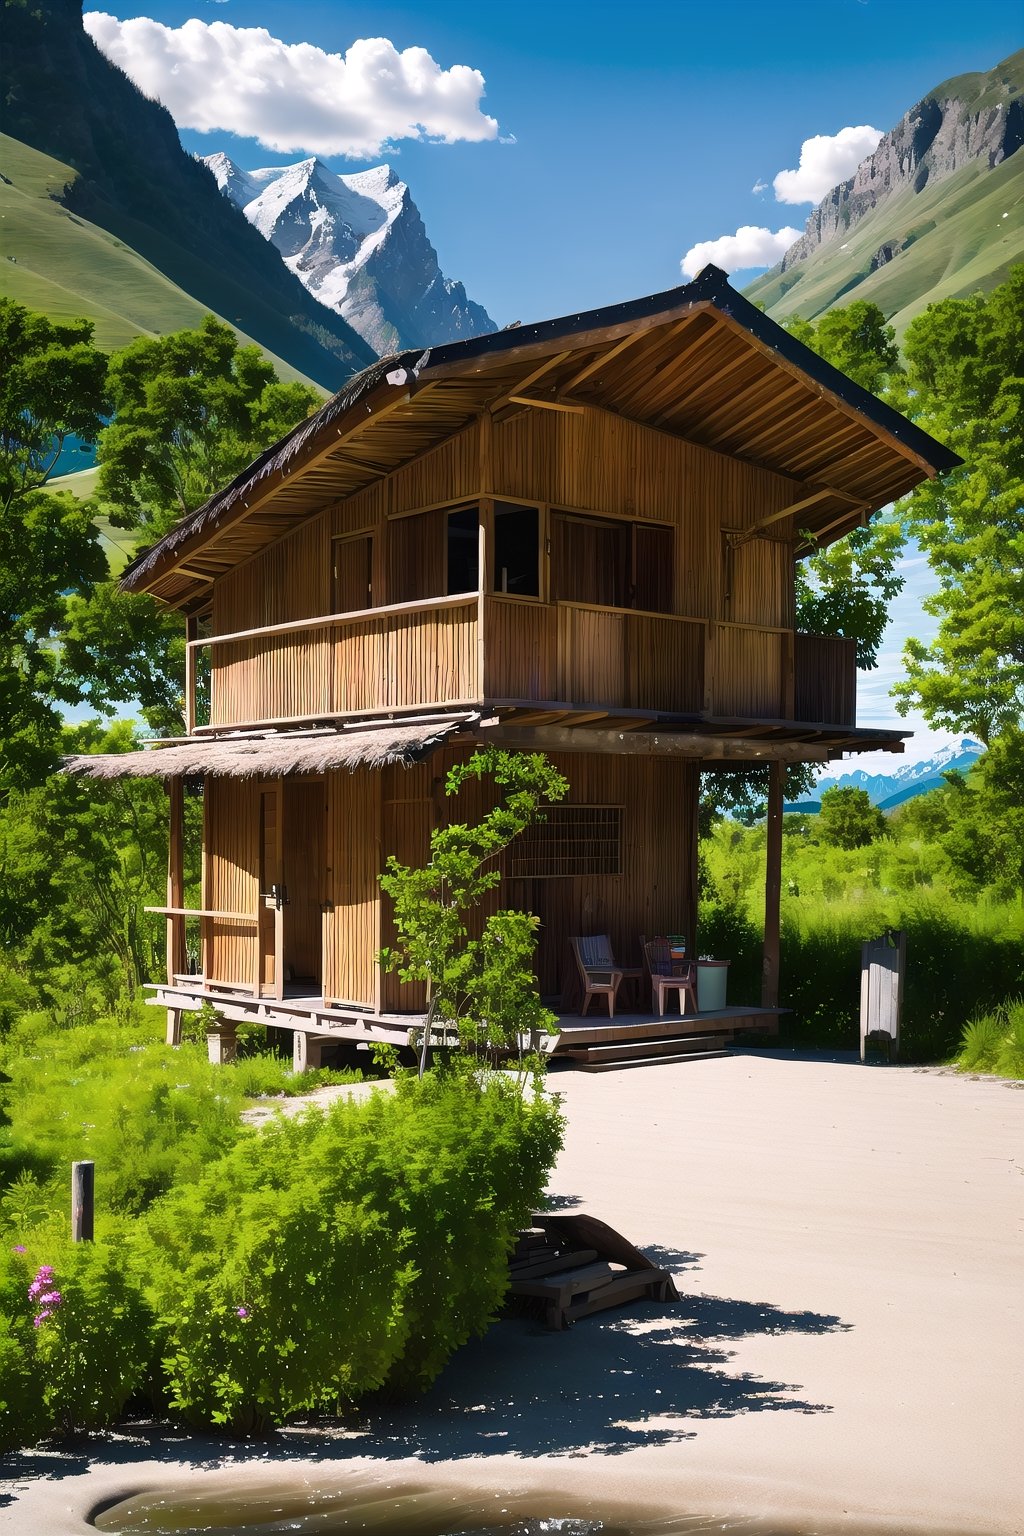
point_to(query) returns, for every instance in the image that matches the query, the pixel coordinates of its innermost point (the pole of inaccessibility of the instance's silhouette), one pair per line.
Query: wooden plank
(550, 1264)
(175, 951)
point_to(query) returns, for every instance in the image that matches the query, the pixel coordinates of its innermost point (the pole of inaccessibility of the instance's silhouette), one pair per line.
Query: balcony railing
(470, 648)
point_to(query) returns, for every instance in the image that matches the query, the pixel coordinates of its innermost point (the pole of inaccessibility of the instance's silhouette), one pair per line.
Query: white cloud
(759, 187)
(750, 246)
(825, 160)
(214, 77)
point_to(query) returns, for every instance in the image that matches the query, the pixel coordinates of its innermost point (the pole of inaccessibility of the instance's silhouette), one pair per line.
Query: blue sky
(622, 136)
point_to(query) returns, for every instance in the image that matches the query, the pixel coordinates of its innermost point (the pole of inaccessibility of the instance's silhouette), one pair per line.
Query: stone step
(648, 1061)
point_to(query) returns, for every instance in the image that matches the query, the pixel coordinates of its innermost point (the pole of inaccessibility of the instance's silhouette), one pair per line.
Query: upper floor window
(516, 567)
(463, 555)
(611, 563)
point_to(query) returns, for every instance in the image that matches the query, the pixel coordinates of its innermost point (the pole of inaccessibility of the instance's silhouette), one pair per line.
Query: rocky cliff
(973, 118)
(359, 245)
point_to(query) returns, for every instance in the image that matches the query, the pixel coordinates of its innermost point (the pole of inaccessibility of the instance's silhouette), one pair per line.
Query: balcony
(469, 649)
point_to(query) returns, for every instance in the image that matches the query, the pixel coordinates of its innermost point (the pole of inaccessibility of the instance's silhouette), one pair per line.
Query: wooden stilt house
(576, 537)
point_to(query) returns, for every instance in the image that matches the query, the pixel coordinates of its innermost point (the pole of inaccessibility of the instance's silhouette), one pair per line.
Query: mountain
(359, 245)
(936, 212)
(131, 179)
(887, 790)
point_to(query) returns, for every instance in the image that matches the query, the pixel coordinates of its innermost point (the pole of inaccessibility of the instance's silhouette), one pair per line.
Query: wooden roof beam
(823, 493)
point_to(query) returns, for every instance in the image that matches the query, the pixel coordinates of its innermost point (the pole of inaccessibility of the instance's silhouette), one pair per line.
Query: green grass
(61, 264)
(965, 233)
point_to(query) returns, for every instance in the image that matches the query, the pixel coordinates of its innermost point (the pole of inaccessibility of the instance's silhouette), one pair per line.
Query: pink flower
(18, 1248)
(243, 1312)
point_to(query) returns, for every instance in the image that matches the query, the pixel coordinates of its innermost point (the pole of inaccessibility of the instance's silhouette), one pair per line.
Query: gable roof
(699, 362)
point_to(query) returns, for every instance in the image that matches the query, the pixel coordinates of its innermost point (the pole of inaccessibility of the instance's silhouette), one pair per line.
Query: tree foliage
(848, 588)
(848, 819)
(190, 411)
(484, 986)
(51, 384)
(965, 384)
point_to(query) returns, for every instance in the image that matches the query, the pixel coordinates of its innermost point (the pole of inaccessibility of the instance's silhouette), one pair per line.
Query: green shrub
(94, 1346)
(1010, 1058)
(330, 1254)
(22, 1417)
(981, 1040)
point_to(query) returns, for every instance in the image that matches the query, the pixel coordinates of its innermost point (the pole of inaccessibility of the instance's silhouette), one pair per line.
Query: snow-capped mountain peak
(903, 783)
(359, 245)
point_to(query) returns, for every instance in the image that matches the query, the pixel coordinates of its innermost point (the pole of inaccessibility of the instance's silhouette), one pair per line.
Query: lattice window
(571, 840)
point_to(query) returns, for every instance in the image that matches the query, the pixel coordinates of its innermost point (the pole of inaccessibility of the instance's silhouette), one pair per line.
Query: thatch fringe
(268, 757)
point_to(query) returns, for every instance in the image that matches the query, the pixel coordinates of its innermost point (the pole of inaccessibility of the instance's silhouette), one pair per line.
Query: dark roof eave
(711, 287)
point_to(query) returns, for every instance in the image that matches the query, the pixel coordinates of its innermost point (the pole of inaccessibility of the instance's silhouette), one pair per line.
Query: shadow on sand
(640, 1377)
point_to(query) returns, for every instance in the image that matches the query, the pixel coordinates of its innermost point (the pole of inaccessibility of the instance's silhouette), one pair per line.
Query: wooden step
(649, 1061)
(623, 1050)
(535, 1270)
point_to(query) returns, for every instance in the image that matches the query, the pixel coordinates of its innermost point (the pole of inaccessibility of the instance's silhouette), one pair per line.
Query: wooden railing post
(772, 888)
(191, 662)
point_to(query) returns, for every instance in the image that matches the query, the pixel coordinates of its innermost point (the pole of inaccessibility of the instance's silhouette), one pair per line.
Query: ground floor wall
(324, 842)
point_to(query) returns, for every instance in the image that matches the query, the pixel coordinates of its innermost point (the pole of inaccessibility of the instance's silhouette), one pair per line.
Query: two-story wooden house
(577, 536)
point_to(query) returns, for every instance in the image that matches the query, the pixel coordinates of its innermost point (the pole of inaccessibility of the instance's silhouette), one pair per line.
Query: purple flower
(243, 1312)
(50, 1299)
(18, 1248)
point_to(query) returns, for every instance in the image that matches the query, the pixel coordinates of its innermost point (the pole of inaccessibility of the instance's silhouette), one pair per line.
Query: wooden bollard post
(83, 1190)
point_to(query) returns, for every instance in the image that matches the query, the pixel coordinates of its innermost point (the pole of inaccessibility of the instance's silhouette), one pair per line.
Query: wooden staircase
(610, 1056)
(574, 1265)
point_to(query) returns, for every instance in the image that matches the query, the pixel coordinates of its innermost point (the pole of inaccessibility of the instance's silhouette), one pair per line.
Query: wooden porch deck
(595, 1042)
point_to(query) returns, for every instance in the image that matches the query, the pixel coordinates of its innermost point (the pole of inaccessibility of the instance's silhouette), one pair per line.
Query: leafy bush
(93, 1345)
(22, 1418)
(331, 1254)
(994, 1042)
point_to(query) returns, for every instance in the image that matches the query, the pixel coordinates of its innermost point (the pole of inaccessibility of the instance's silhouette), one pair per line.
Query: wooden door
(273, 892)
(305, 870)
(353, 573)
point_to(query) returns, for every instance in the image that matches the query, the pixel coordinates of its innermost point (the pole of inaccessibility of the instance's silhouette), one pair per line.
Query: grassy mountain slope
(962, 234)
(134, 181)
(59, 263)
(928, 216)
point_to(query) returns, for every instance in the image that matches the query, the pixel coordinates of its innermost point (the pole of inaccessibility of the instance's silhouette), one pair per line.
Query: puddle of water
(398, 1510)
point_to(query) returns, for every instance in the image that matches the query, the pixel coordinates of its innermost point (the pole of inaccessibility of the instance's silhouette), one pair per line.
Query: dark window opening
(463, 551)
(516, 549)
(612, 564)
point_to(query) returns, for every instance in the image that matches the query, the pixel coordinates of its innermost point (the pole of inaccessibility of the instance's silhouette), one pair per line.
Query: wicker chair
(600, 972)
(669, 973)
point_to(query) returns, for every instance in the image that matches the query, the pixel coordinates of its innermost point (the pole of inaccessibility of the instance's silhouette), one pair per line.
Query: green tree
(965, 384)
(984, 839)
(848, 588)
(51, 385)
(848, 819)
(484, 986)
(190, 411)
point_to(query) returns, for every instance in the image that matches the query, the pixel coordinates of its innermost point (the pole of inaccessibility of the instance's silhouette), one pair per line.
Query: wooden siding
(407, 659)
(749, 672)
(449, 472)
(290, 580)
(353, 861)
(655, 893)
(231, 877)
(826, 679)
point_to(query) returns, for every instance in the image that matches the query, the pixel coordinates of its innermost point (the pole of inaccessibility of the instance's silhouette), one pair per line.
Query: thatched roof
(271, 756)
(709, 367)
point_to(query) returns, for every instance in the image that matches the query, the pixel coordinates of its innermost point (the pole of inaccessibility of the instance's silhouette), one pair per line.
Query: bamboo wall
(734, 663)
(231, 863)
(352, 861)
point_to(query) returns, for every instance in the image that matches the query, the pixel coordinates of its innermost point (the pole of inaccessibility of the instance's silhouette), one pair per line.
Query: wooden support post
(307, 1051)
(191, 662)
(222, 1042)
(83, 1200)
(175, 879)
(174, 1026)
(772, 888)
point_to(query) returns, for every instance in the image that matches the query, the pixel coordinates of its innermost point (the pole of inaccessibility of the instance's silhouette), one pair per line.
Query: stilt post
(83, 1193)
(772, 888)
(175, 879)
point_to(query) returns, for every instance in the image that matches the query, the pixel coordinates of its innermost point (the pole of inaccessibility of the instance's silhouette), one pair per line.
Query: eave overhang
(698, 362)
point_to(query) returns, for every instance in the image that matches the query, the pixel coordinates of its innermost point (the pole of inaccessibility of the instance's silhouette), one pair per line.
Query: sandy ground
(847, 1353)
